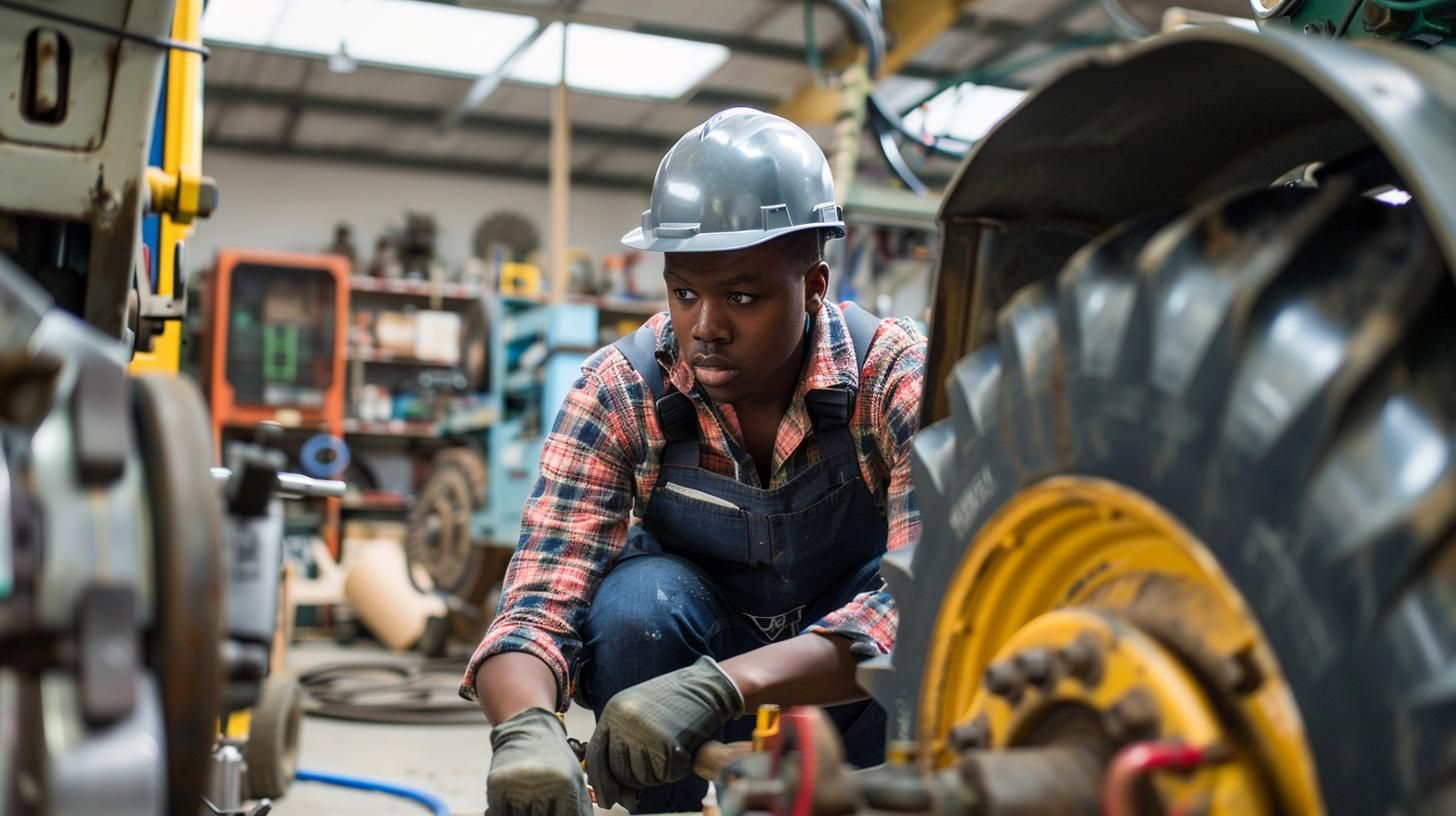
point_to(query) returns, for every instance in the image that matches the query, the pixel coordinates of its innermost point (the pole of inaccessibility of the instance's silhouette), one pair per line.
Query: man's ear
(816, 287)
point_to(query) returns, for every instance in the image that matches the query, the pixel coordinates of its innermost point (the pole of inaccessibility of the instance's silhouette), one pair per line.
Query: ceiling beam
(705, 96)
(485, 123)
(454, 166)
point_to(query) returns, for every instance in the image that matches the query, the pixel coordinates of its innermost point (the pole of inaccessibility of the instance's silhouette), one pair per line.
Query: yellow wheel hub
(1080, 595)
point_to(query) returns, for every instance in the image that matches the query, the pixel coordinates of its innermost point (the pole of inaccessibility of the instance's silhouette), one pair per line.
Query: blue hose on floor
(434, 803)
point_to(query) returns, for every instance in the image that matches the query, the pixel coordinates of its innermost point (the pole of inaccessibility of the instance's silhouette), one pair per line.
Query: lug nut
(970, 736)
(1004, 680)
(1133, 716)
(1083, 660)
(1036, 666)
(1382, 21)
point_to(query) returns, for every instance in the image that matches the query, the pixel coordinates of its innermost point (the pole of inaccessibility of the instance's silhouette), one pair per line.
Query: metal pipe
(293, 485)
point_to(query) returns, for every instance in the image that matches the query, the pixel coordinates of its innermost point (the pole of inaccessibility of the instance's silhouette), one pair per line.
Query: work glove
(648, 733)
(533, 771)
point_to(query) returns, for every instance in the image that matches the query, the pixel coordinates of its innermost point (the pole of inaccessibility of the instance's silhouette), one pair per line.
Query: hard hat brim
(721, 241)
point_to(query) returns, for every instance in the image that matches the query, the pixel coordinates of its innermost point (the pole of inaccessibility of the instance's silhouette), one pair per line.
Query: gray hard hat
(741, 178)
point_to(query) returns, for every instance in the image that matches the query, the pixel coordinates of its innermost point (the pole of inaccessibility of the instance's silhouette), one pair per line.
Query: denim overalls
(720, 567)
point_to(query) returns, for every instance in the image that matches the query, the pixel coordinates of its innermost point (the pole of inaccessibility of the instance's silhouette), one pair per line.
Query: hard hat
(741, 178)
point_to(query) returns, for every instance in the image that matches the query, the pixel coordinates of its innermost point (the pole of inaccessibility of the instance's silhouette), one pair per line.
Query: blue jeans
(653, 614)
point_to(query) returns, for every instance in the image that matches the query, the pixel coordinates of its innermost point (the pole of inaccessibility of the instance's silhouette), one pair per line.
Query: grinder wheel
(187, 532)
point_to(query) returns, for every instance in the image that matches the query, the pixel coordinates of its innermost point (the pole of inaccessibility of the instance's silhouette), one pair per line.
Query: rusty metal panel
(87, 169)
(83, 59)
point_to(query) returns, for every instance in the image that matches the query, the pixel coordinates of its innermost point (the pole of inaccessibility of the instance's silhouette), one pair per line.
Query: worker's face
(739, 317)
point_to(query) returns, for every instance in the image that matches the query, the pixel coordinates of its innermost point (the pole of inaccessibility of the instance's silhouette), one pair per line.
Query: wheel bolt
(1083, 660)
(1036, 666)
(1133, 716)
(1005, 680)
(970, 736)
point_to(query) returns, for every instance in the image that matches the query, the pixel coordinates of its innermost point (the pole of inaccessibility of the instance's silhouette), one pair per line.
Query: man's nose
(712, 325)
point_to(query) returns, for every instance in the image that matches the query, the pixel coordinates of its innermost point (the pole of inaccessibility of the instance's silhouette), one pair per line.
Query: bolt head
(1134, 716)
(1003, 679)
(1036, 666)
(970, 736)
(1082, 659)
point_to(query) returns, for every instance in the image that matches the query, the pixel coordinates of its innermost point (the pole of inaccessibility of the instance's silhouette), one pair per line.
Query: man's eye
(684, 294)
(741, 298)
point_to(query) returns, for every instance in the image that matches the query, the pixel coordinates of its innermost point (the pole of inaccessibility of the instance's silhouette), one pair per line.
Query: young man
(761, 438)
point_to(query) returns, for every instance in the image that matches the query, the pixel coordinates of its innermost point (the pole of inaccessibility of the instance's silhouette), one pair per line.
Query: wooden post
(560, 179)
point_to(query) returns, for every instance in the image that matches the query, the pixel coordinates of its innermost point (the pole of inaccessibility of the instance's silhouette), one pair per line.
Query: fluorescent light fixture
(965, 112)
(623, 63)
(1393, 196)
(398, 33)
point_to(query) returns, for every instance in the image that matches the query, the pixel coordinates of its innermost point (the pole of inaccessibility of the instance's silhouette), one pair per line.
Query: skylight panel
(401, 33)
(965, 112)
(249, 22)
(541, 63)
(312, 26)
(430, 35)
(624, 63)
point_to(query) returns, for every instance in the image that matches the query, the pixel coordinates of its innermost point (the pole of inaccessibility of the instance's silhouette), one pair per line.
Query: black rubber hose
(868, 32)
(937, 146)
(412, 693)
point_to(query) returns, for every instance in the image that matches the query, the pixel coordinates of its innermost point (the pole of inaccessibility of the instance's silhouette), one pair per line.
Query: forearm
(511, 682)
(810, 669)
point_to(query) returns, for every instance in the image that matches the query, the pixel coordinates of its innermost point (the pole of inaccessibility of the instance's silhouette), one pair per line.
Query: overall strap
(674, 410)
(831, 408)
(640, 349)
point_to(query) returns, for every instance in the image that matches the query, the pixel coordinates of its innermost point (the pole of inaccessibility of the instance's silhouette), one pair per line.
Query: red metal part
(1139, 759)
(796, 731)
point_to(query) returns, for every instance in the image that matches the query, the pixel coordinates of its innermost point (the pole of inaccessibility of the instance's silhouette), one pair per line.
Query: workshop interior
(292, 291)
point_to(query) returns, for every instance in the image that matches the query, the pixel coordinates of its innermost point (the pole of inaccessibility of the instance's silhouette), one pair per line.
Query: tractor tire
(271, 752)
(1275, 369)
(440, 540)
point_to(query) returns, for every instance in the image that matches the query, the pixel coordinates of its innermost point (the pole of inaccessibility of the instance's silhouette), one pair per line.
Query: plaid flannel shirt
(606, 449)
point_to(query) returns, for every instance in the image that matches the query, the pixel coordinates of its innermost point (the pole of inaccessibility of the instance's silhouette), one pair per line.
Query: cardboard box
(437, 336)
(394, 333)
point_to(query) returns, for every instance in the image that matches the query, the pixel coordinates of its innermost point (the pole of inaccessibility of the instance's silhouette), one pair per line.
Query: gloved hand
(533, 771)
(647, 734)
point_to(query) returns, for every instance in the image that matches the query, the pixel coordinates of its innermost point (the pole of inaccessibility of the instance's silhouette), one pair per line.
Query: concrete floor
(449, 761)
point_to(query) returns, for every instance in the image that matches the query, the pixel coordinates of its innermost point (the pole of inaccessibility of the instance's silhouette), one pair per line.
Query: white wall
(292, 204)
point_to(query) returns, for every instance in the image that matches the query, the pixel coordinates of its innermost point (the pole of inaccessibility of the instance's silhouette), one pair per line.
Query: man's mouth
(714, 376)
(714, 371)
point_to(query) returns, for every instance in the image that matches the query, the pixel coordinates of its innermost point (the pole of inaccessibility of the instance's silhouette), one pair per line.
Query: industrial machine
(138, 587)
(1186, 469)
(78, 186)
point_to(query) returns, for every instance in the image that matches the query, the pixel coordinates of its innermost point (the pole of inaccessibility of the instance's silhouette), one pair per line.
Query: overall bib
(735, 565)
